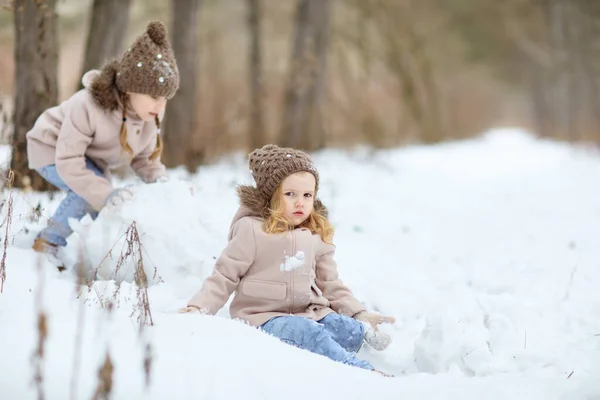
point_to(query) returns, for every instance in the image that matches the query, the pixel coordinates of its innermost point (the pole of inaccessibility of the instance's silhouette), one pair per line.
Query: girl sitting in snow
(279, 261)
(113, 121)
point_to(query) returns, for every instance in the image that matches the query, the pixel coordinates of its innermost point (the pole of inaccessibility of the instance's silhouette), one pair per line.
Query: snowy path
(485, 251)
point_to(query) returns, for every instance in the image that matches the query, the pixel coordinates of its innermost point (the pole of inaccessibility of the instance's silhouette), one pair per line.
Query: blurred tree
(303, 125)
(544, 48)
(180, 117)
(407, 40)
(257, 133)
(36, 88)
(558, 40)
(107, 28)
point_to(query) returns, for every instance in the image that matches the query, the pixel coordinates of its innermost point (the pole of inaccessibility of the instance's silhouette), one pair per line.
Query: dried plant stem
(105, 379)
(78, 345)
(37, 358)
(7, 223)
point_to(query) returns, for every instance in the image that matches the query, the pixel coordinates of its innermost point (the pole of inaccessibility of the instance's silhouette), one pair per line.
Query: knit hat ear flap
(104, 88)
(252, 199)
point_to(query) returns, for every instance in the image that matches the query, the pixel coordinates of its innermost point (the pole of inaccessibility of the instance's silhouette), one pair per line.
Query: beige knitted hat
(149, 65)
(269, 166)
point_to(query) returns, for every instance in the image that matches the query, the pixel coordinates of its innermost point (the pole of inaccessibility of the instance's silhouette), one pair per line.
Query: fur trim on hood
(258, 206)
(102, 85)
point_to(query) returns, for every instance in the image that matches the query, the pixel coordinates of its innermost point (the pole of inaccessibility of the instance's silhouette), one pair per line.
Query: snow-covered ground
(486, 251)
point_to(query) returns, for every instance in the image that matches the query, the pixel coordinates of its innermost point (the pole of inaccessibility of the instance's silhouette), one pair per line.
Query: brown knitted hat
(269, 166)
(149, 65)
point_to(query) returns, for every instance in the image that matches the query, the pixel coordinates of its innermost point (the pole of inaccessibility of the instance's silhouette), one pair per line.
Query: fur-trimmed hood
(256, 205)
(102, 86)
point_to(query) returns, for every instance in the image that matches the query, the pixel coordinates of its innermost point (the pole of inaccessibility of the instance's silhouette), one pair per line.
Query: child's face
(145, 106)
(298, 191)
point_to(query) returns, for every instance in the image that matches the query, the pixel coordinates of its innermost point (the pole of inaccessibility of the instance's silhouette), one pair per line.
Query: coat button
(138, 132)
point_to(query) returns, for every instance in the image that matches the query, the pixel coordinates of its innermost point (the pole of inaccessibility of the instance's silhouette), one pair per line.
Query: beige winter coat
(274, 275)
(80, 127)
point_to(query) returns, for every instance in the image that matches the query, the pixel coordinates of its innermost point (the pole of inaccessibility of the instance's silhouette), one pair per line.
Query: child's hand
(377, 339)
(193, 310)
(374, 319)
(118, 197)
(189, 310)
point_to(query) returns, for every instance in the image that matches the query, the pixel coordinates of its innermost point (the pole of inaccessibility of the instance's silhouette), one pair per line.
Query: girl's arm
(74, 137)
(340, 297)
(148, 170)
(231, 266)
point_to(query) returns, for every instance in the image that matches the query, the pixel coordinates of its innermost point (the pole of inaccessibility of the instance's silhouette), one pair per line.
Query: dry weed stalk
(80, 318)
(133, 250)
(6, 222)
(105, 379)
(148, 359)
(38, 355)
(33, 216)
(37, 358)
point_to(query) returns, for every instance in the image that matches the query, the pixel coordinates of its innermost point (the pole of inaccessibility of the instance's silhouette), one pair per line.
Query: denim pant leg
(347, 331)
(72, 206)
(312, 336)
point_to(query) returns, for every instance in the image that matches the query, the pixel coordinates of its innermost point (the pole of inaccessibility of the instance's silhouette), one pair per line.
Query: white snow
(485, 250)
(292, 262)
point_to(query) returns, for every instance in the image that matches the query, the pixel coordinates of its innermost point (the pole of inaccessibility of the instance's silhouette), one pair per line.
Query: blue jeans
(336, 336)
(73, 206)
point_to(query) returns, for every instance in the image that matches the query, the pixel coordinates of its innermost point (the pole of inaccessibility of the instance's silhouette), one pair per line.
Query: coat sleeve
(340, 297)
(74, 137)
(231, 266)
(148, 170)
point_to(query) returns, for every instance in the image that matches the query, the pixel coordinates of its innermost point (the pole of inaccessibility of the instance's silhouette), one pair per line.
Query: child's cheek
(289, 206)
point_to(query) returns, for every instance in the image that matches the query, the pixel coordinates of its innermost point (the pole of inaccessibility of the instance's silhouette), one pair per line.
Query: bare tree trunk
(180, 117)
(321, 17)
(108, 26)
(583, 39)
(307, 68)
(407, 53)
(561, 79)
(257, 134)
(540, 98)
(36, 63)
(294, 113)
(591, 65)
